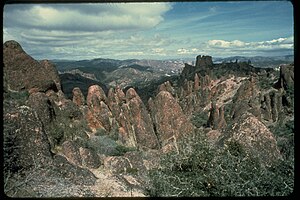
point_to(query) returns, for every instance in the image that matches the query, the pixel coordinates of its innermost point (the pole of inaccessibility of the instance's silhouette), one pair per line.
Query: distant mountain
(259, 61)
(109, 65)
(125, 73)
(69, 81)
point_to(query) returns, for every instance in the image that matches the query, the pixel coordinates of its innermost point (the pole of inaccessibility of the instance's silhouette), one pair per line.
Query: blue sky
(151, 30)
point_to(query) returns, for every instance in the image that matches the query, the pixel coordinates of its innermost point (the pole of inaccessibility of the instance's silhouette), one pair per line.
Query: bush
(200, 119)
(107, 146)
(200, 169)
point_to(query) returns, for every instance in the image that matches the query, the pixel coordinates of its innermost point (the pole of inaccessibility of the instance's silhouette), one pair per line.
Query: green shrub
(200, 119)
(18, 98)
(107, 146)
(200, 169)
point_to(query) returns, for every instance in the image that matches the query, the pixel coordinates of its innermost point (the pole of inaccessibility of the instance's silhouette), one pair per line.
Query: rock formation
(71, 151)
(125, 112)
(78, 97)
(216, 118)
(286, 78)
(166, 86)
(168, 117)
(99, 115)
(140, 120)
(30, 73)
(246, 93)
(26, 142)
(203, 61)
(255, 137)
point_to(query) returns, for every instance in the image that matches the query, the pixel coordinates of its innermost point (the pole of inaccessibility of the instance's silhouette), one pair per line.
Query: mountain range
(140, 73)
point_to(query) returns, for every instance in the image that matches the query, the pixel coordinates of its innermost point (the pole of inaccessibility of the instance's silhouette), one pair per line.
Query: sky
(164, 30)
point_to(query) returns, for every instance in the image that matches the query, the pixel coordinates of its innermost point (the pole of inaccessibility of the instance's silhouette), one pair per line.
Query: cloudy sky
(151, 30)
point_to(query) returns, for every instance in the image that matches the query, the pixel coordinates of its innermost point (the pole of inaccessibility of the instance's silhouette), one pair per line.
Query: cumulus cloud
(86, 17)
(280, 43)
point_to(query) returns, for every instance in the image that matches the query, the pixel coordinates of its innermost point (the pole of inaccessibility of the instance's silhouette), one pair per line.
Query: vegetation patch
(200, 169)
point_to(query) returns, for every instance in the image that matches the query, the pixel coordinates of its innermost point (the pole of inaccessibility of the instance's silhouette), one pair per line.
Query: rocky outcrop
(168, 117)
(166, 86)
(95, 92)
(203, 61)
(25, 73)
(196, 82)
(46, 112)
(80, 156)
(25, 141)
(194, 95)
(99, 115)
(187, 70)
(116, 97)
(126, 113)
(89, 158)
(140, 120)
(286, 78)
(75, 174)
(52, 73)
(71, 152)
(216, 118)
(78, 97)
(271, 106)
(244, 99)
(255, 137)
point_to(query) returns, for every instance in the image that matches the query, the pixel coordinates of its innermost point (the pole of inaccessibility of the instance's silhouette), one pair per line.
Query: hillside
(214, 129)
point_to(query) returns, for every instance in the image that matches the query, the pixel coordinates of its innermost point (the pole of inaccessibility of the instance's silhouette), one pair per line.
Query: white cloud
(280, 43)
(72, 18)
(182, 51)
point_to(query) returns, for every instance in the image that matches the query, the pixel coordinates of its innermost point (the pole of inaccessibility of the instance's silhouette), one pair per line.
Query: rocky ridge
(116, 136)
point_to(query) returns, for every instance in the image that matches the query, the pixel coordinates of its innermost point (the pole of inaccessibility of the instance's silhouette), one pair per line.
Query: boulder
(130, 163)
